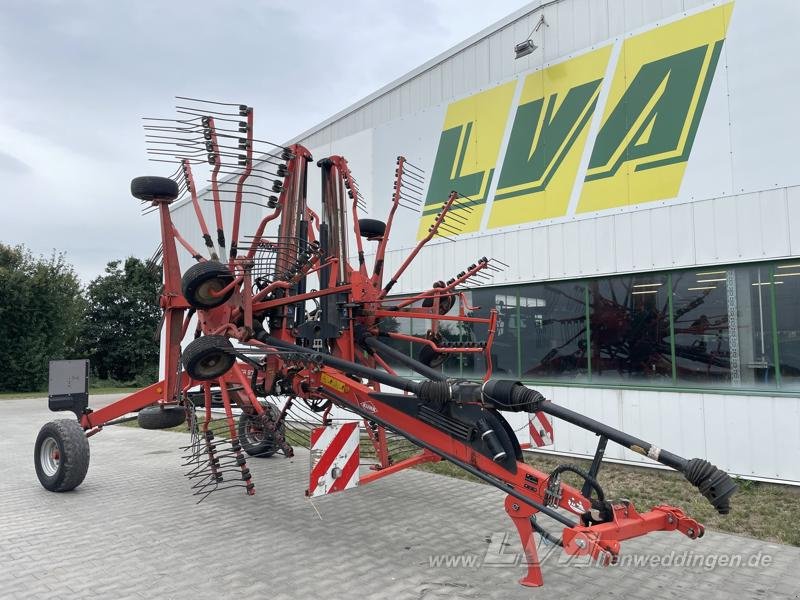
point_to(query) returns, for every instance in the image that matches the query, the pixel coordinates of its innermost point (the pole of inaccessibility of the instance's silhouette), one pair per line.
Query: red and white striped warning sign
(541, 429)
(334, 459)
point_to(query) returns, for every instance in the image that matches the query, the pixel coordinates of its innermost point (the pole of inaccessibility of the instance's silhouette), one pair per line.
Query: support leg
(521, 514)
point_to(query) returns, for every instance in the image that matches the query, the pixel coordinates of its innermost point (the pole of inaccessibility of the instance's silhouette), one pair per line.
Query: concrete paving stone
(133, 530)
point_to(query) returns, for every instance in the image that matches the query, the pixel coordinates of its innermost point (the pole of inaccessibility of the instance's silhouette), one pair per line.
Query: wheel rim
(208, 291)
(50, 457)
(255, 435)
(209, 366)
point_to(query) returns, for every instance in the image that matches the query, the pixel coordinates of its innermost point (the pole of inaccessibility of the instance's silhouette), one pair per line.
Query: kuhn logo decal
(369, 407)
(576, 506)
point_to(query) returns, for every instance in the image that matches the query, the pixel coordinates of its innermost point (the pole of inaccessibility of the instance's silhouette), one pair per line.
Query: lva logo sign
(649, 115)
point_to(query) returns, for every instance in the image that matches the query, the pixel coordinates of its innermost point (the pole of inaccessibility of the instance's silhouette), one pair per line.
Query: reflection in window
(552, 321)
(725, 333)
(750, 327)
(700, 315)
(787, 293)
(629, 328)
(504, 350)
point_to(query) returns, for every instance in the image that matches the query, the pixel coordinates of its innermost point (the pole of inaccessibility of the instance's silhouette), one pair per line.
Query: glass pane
(629, 329)
(504, 349)
(447, 331)
(453, 331)
(723, 327)
(552, 320)
(700, 314)
(787, 292)
(505, 362)
(753, 328)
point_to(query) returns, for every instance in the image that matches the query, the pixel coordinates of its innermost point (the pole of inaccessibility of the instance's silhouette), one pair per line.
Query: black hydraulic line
(501, 485)
(384, 350)
(383, 377)
(545, 534)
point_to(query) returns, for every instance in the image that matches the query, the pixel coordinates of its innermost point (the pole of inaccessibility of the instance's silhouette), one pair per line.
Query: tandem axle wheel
(61, 455)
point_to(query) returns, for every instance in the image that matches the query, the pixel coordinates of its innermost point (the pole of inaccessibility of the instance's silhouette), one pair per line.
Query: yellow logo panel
(654, 100)
(547, 140)
(653, 110)
(467, 154)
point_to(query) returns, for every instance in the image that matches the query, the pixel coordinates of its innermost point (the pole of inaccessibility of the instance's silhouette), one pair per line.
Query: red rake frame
(336, 357)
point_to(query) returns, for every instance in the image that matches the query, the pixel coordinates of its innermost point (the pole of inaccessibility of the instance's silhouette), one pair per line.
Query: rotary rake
(299, 352)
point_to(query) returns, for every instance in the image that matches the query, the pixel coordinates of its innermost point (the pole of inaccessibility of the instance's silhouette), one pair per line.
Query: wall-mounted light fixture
(526, 47)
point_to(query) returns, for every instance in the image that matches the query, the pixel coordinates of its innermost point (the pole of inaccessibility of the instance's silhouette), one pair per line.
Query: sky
(78, 76)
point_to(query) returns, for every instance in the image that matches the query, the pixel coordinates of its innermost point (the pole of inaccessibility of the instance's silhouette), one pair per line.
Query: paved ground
(132, 530)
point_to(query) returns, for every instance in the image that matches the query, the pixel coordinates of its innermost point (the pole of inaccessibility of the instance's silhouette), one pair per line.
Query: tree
(40, 313)
(122, 319)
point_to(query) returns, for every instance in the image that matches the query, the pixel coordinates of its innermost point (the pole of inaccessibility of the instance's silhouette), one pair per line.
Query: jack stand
(521, 514)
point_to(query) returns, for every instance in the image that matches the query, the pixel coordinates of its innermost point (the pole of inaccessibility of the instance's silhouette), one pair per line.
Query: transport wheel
(150, 188)
(208, 357)
(371, 228)
(203, 281)
(161, 417)
(252, 436)
(429, 356)
(61, 455)
(445, 302)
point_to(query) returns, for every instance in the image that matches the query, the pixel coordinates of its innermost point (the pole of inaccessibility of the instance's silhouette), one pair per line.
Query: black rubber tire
(161, 417)
(371, 228)
(66, 460)
(154, 188)
(258, 444)
(208, 357)
(203, 278)
(445, 302)
(428, 356)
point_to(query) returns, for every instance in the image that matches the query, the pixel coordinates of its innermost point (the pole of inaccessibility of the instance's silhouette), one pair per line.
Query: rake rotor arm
(380, 253)
(214, 156)
(190, 185)
(248, 166)
(432, 230)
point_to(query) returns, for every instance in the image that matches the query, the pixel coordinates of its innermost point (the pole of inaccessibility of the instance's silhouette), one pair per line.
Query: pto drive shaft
(716, 485)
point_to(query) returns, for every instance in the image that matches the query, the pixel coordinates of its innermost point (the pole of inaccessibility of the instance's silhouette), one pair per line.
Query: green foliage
(122, 320)
(40, 314)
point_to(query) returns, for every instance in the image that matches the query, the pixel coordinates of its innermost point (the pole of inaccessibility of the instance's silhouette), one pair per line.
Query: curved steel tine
(209, 101)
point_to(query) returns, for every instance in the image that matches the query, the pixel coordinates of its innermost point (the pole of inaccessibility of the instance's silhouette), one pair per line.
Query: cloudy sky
(78, 75)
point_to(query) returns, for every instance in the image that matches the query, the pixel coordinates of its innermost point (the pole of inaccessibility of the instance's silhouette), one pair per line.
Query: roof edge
(436, 60)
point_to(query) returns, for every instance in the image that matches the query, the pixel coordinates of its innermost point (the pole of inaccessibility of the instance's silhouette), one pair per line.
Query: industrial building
(634, 165)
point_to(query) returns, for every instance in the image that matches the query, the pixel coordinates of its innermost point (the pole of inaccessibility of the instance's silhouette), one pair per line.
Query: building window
(552, 331)
(751, 307)
(718, 327)
(787, 293)
(629, 329)
(700, 320)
